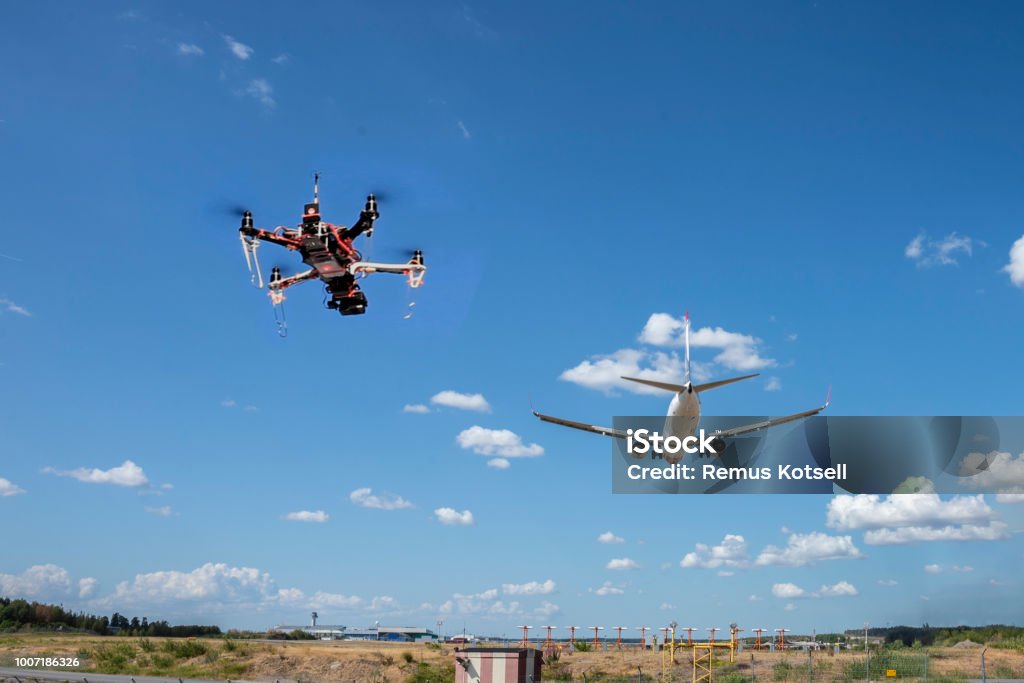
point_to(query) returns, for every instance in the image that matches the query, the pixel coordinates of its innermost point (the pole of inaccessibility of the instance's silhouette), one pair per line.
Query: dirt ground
(374, 662)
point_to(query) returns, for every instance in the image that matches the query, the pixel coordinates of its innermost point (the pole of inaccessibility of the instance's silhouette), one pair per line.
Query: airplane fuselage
(683, 413)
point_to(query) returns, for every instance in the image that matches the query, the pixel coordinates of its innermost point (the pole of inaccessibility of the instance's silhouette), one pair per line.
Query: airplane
(684, 409)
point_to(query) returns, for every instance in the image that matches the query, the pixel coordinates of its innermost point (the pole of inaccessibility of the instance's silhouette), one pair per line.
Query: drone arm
(267, 236)
(366, 218)
(284, 283)
(414, 270)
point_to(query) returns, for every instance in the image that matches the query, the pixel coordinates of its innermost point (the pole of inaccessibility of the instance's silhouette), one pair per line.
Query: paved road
(26, 675)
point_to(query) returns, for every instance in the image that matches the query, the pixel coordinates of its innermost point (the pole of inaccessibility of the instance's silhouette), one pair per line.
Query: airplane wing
(604, 431)
(758, 426)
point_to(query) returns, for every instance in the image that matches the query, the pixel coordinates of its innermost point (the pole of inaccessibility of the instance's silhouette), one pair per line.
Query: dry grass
(373, 662)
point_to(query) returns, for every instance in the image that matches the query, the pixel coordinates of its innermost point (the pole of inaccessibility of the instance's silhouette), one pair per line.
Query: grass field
(373, 662)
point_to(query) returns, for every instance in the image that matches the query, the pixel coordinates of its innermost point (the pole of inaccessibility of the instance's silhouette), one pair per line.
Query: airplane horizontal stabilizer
(658, 385)
(720, 383)
(682, 387)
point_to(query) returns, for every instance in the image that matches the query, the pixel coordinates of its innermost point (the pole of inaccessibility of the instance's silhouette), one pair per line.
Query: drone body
(329, 252)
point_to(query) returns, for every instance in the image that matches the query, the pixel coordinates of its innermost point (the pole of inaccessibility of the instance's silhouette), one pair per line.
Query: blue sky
(832, 190)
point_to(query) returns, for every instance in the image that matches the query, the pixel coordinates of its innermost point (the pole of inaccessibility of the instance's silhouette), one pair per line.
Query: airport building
(401, 634)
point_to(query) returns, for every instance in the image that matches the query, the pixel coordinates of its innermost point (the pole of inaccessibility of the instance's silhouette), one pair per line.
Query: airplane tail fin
(686, 332)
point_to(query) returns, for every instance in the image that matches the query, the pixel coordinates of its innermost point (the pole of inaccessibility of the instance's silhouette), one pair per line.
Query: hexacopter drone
(327, 250)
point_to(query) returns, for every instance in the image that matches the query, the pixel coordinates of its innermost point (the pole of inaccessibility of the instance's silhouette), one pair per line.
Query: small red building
(498, 665)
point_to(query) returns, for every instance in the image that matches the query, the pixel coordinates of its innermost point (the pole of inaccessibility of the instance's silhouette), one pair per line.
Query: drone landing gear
(277, 301)
(249, 247)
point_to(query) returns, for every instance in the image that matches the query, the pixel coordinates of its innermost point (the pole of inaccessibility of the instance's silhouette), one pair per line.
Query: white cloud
(8, 488)
(666, 606)
(933, 568)
(314, 516)
(416, 408)
(211, 587)
(838, 590)
(1015, 268)
(530, 588)
(865, 511)
(915, 248)
(604, 373)
(788, 591)
(731, 552)
(39, 581)
(322, 599)
(925, 251)
(1009, 498)
(790, 607)
(261, 91)
(755, 598)
(455, 399)
(125, 474)
(12, 307)
(499, 463)
(663, 329)
(240, 50)
(484, 602)
(791, 591)
(737, 351)
(723, 573)
(994, 531)
(381, 602)
(465, 131)
(996, 471)
(163, 511)
(609, 538)
(804, 549)
(773, 384)
(228, 403)
(621, 563)
(282, 58)
(547, 609)
(190, 49)
(210, 582)
(500, 607)
(451, 516)
(887, 582)
(607, 588)
(963, 568)
(364, 497)
(500, 442)
(87, 586)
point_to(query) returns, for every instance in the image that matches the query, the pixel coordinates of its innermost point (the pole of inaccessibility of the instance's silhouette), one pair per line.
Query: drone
(329, 252)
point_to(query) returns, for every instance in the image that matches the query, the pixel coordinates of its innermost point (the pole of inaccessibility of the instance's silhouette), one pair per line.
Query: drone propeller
(384, 196)
(285, 269)
(229, 207)
(402, 253)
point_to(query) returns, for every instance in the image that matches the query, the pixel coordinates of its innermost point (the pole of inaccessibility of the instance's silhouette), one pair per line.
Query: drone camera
(353, 303)
(275, 275)
(247, 220)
